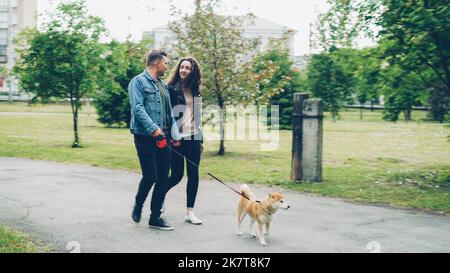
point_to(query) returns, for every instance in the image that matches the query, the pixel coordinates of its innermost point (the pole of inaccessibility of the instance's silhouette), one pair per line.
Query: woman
(184, 89)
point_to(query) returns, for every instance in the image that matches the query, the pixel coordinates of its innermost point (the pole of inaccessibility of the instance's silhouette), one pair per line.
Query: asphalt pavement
(75, 208)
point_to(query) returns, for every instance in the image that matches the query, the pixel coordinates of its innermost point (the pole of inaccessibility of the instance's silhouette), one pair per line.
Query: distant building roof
(258, 24)
(255, 28)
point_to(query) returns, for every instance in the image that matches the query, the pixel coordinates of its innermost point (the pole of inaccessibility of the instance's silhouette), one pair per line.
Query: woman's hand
(176, 143)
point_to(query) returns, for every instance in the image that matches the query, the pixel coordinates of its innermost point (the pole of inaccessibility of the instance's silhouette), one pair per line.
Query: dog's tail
(245, 190)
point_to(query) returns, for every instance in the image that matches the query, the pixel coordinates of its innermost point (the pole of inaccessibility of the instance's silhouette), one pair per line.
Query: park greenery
(227, 59)
(63, 61)
(124, 61)
(408, 66)
(366, 159)
(12, 241)
(370, 161)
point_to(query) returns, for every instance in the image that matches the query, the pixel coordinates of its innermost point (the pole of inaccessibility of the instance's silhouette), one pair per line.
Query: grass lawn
(369, 161)
(12, 241)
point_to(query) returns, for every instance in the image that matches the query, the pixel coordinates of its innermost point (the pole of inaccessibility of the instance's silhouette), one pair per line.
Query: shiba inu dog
(260, 212)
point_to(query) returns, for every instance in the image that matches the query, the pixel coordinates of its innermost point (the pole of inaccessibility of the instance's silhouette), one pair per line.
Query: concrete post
(297, 129)
(312, 140)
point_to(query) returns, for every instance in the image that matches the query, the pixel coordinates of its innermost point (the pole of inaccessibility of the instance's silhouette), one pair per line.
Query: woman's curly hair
(195, 78)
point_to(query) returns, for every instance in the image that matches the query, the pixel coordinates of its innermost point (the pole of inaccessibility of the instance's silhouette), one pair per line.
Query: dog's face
(277, 201)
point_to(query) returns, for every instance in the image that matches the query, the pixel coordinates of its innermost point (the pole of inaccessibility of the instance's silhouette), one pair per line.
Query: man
(151, 120)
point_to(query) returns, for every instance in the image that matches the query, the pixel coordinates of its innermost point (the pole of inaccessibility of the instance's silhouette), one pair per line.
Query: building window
(3, 56)
(3, 16)
(4, 5)
(3, 50)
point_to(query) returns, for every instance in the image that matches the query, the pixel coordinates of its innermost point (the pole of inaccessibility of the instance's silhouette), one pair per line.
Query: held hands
(176, 143)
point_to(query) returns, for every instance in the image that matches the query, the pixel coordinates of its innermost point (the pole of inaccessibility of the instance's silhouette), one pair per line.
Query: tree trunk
(407, 113)
(361, 113)
(222, 127)
(76, 143)
(219, 97)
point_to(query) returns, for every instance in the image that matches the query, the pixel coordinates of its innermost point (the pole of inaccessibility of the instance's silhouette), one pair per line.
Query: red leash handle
(161, 142)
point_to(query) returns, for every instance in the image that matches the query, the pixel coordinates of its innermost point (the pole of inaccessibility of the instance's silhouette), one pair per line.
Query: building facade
(258, 28)
(15, 15)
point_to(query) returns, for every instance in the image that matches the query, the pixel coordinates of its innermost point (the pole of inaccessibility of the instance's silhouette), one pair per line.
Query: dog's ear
(281, 191)
(270, 195)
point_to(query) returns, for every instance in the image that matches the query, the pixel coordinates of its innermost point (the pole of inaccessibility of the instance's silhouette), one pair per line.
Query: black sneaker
(160, 223)
(136, 214)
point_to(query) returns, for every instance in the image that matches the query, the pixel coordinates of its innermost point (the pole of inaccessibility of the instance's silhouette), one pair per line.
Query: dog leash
(240, 193)
(213, 176)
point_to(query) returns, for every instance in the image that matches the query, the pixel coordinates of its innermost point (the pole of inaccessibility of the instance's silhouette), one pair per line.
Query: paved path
(59, 203)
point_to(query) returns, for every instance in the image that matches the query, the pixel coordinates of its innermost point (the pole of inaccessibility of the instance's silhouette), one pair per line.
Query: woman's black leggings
(190, 149)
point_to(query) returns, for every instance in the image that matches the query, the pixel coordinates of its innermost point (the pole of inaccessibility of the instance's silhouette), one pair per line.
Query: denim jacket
(146, 107)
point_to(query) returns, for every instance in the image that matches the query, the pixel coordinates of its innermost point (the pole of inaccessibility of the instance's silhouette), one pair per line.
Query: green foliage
(368, 75)
(369, 167)
(224, 55)
(63, 60)
(286, 79)
(402, 91)
(341, 74)
(218, 44)
(362, 68)
(327, 80)
(410, 64)
(417, 35)
(124, 61)
(341, 25)
(12, 241)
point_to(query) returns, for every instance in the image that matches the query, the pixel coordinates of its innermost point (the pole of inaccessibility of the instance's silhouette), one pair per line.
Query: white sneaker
(191, 218)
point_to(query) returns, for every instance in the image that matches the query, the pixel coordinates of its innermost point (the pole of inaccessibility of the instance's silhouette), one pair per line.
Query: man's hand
(176, 143)
(157, 133)
(201, 148)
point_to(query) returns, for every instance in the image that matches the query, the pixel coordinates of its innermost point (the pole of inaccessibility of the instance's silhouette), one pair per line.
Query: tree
(286, 79)
(367, 75)
(340, 25)
(63, 60)
(4, 73)
(417, 32)
(439, 103)
(334, 35)
(412, 36)
(362, 68)
(225, 56)
(327, 80)
(402, 90)
(124, 61)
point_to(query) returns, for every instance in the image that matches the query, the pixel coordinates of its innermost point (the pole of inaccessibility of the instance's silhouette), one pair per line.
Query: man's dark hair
(155, 56)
